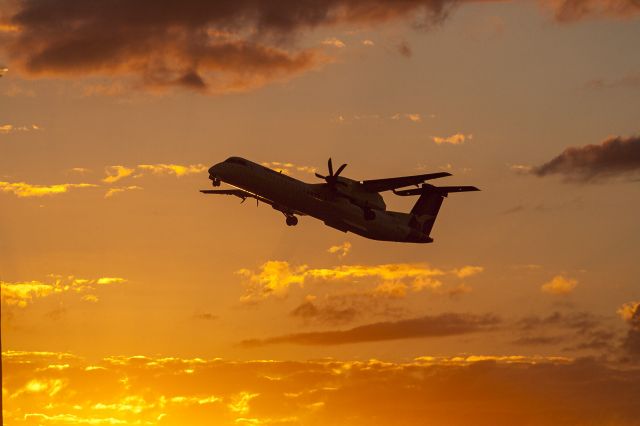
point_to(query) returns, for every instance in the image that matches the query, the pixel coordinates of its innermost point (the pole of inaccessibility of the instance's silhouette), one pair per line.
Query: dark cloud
(447, 324)
(614, 157)
(539, 340)
(574, 10)
(206, 316)
(344, 308)
(573, 330)
(309, 311)
(203, 45)
(404, 49)
(631, 342)
(209, 46)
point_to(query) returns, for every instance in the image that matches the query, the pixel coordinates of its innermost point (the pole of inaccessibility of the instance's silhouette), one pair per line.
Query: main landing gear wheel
(292, 221)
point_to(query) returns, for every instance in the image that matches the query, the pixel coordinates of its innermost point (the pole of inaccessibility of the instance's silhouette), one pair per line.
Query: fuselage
(292, 196)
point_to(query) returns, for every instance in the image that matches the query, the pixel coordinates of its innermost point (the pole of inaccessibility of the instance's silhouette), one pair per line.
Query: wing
(380, 185)
(238, 193)
(245, 194)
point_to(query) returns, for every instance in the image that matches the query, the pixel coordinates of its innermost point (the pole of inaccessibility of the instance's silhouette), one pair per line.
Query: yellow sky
(128, 297)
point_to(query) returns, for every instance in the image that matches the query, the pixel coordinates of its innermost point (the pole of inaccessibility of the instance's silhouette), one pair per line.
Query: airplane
(341, 203)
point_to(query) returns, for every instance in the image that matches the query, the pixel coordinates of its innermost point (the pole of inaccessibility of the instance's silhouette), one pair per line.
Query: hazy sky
(116, 270)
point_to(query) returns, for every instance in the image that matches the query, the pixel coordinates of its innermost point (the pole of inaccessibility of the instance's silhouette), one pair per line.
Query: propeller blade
(320, 176)
(340, 169)
(330, 166)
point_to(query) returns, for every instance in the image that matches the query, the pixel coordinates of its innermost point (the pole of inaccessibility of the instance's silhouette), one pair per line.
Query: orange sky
(128, 297)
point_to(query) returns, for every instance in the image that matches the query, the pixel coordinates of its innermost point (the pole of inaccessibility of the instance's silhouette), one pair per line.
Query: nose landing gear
(215, 182)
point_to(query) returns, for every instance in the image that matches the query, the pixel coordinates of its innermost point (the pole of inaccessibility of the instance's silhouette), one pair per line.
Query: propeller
(332, 178)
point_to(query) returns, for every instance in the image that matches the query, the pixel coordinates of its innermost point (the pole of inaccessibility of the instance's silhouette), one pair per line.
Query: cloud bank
(48, 388)
(275, 278)
(211, 47)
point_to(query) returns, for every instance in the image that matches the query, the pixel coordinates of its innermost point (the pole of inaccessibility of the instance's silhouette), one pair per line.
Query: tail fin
(425, 211)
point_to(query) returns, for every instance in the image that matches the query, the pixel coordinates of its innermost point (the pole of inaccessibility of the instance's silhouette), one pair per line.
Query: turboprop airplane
(341, 203)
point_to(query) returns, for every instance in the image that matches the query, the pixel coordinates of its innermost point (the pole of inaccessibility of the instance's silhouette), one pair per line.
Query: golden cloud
(23, 189)
(474, 389)
(22, 293)
(340, 250)
(113, 191)
(560, 285)
(10, 128)
(115, 173)
(628, 310)
(173, 169)
(276, 277)
(455, 139)
(288, 168)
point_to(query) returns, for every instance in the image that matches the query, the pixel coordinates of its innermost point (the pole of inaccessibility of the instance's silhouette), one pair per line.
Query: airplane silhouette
(341, 203)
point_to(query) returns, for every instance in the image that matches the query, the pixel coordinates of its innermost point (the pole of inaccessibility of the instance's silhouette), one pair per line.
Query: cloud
(81, 170)
(116, 190)
(275, 278)
(23, 189)
(206, 316)
(368, 42)
(340, 250)
(115, 173)
(575, 10)
(216, 47)
(347, 307)
(332, 41)
(448, 390)
(404, 49)
(22, 293)
(309, 311)
(616, 156)
(10, 128)
(448, 324)
(573, 330)
(559, 285)
(455, 139)
(210, 47)
(468, 271)
(520, 168)
(630, 313)
(288, 168)
(177, 170)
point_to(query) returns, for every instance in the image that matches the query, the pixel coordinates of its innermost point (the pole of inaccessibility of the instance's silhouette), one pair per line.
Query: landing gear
(215, 182)
(292, 221)
(369, 214)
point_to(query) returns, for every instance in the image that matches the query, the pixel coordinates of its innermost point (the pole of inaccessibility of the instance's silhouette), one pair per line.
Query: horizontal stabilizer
(442, 190)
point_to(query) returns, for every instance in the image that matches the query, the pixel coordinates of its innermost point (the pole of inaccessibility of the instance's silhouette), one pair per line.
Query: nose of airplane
(215, 170)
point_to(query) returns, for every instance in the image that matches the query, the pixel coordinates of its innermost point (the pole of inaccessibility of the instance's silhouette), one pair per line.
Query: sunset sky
(128, 297)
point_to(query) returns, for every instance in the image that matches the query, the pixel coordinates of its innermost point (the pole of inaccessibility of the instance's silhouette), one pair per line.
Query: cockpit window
(236, 160)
